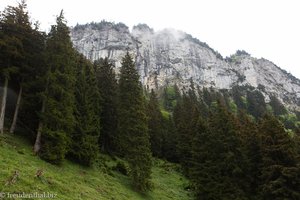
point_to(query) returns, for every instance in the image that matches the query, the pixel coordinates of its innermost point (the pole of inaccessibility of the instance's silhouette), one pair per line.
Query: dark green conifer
(155, 125)
(186, 115)
(33, 83)
(11, 50)
(238, 95)
(281, 169)
(277, 107)
(256, 105)
(199, 157)
(133, 131)
(169, 140)
(29, 64)
(22, 48)
(58, 113)
(107, 85)
(84, 140)
(218, 159)
(251, 146)
(169, 97)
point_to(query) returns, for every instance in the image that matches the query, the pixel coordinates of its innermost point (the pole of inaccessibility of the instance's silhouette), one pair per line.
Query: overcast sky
(263, 28)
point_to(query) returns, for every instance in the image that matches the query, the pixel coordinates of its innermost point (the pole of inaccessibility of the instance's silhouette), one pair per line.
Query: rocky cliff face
(169, 56)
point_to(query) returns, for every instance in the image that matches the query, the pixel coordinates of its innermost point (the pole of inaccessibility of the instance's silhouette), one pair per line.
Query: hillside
(72, 181)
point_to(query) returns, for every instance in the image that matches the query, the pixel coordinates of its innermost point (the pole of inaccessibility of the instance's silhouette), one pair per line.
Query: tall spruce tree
(238, 95)
(281, 167)
(170, 140)
(33, 84)
(155, 125)
(107, 85)
(11, 53)
(256, 105)
(58, 121)
(186, 115)
(277, 106)
(221, 172)
(199, 156)
(23, 32)
(84, 140)
(133, 131)
(31, 49)
(251, 146)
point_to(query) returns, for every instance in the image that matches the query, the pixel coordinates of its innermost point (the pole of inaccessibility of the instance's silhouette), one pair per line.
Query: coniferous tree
(27, 64)
(58, 106)
(199, 156)
(155, 125)
(107, 85)
(277, 106)
(256, 104)
(186, 114)
(251, 145)
(238, 95)
(132, 128)
(182, 119)
(84, 140)
(208, 96)
(169, 140)
(33, 84)
(203, 107)
(221, 172)
(169, 97)
(31, 53)
(11, 53)
(281, 168)
(23, 31)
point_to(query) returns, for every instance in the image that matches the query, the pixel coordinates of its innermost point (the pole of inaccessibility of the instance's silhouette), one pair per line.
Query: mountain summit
(169, 57)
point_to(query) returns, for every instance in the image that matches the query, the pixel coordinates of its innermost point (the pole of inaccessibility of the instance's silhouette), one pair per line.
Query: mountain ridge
(170, 56)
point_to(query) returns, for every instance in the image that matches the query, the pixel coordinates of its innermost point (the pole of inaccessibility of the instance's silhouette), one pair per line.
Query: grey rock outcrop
(170, 56)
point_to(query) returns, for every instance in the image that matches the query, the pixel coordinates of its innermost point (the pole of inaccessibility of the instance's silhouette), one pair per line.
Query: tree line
(231, 146)
(233, 155)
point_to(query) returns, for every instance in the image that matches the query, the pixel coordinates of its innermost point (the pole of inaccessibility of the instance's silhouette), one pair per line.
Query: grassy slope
(72, 181)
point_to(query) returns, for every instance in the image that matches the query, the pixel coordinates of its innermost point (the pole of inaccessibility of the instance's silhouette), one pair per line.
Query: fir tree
(251, 145)
(203, 107)
(33, 83)
(58, 106)
(207, 96)
(199, 155)
(31, 45)
(281, 169)
(256, 104)
(155, 125)
(186, 114)
(169, 140)
(11, 53)
(169, 97)
(237, 95)
(84, 140)
(107, 85)
(133, 131)
(218, 160)
(277, 106)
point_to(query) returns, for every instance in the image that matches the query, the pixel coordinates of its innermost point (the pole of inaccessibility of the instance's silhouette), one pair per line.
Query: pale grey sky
(263, 28)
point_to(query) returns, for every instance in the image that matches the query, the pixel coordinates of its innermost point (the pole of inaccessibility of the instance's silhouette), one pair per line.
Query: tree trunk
(37, 144)
(3, 106)
(13, 125)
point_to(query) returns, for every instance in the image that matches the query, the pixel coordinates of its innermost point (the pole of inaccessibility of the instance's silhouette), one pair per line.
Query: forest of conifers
(231, 144)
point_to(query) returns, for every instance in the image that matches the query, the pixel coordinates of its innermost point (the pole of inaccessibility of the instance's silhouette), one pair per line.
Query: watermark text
(24, 195)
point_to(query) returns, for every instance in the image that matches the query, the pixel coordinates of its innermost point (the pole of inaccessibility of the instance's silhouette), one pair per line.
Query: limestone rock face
(170, 56)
